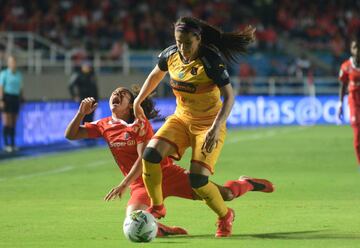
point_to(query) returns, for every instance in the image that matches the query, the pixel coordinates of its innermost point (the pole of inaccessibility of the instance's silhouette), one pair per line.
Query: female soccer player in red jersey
(127, 138)
(198, 77)
(349, 77)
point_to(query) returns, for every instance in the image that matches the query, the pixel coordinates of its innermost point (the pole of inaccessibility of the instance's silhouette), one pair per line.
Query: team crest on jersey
(181, 74)
(194, 71)
(126, 135)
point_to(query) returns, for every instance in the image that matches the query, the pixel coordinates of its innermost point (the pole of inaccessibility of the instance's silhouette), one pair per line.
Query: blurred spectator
(305, 74)
(11, 96)
(337, 46)
(320, 26)
(117, 50)
(83, 84)
(303, 65)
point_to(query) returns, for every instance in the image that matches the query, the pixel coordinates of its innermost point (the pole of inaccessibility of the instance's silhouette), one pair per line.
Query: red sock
(239, 187)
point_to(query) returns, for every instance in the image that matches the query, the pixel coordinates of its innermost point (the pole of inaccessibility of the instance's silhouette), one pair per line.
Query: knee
(197, 180)
(152, 155)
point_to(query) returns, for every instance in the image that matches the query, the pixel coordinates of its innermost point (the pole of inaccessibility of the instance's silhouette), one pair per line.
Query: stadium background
(299, 47)
(283, 124)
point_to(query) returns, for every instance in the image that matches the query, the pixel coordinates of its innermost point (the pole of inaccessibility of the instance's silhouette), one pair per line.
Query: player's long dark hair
(355, 36)
(230, 44)
(148, 104)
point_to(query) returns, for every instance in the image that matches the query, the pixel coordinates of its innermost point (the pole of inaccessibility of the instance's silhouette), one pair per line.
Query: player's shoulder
(167, 52)
(346, 64)
(141, 127)
(210, 56)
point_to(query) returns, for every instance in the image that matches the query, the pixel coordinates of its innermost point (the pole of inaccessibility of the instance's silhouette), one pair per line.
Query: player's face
(120, 100)
(355, 49)
(188, 44)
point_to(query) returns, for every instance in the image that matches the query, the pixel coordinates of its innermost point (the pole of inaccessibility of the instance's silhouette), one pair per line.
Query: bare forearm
(150, 84)
(226, 107)
(342, 92)
(73, 128)
(224, 112)
(134, 173)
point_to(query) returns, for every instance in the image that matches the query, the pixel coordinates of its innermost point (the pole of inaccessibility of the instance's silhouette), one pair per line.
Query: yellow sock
(211, 195)
(152, 176)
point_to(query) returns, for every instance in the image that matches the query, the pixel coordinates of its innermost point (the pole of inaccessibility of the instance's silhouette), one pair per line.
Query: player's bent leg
(211, 194)
(258, 184)
(224, 224)
(225, 192)
(238, 187)
(164, 230)
(199, 181)
(152, 175)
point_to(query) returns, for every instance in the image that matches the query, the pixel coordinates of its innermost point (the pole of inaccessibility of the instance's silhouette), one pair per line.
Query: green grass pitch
(56, 200)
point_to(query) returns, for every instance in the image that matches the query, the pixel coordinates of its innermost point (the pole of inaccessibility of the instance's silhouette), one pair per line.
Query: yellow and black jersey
(195, 84)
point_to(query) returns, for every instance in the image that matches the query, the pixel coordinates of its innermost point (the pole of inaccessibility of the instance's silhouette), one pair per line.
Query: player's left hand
(211, 139)
(340, 112)
(115, 192)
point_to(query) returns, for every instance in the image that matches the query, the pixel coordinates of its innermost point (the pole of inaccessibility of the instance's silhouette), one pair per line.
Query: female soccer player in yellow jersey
(198, 79)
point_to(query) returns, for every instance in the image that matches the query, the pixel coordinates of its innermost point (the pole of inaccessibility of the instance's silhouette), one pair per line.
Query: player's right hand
(340, 112)
(87, 106)
(115, 192)
(138, 111)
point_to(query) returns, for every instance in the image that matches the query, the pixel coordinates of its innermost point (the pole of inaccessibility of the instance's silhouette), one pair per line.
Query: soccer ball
(140, 226)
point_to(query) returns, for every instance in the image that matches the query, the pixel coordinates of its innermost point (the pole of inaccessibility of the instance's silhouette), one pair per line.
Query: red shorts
(175, 183)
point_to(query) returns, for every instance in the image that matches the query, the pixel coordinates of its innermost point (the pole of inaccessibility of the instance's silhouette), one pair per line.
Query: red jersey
(122, 139)
(350, 75)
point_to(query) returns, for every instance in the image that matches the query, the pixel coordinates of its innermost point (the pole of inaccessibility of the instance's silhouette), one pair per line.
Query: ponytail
(230, 44)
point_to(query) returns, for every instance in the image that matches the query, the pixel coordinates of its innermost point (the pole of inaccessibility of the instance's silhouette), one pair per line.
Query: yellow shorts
(183, 133)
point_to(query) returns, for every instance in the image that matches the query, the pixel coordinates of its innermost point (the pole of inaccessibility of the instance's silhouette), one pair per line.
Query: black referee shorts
(12, 103)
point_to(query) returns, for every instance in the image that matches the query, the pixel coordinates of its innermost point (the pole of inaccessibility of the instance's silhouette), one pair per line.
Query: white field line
(46, 173)
(98, 163)
(55, 171)
(264, 135)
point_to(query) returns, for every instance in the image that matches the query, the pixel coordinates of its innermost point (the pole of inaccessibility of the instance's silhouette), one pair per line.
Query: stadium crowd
(146, 24)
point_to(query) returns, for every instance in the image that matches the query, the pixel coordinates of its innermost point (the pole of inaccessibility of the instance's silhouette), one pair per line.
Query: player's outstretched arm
(74, 130)
(342, 93)
(133, 174)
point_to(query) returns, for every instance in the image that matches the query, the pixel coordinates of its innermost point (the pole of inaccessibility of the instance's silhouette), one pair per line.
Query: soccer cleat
(262, 185)
(167, 231)
(158, 211)
(224, 224)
